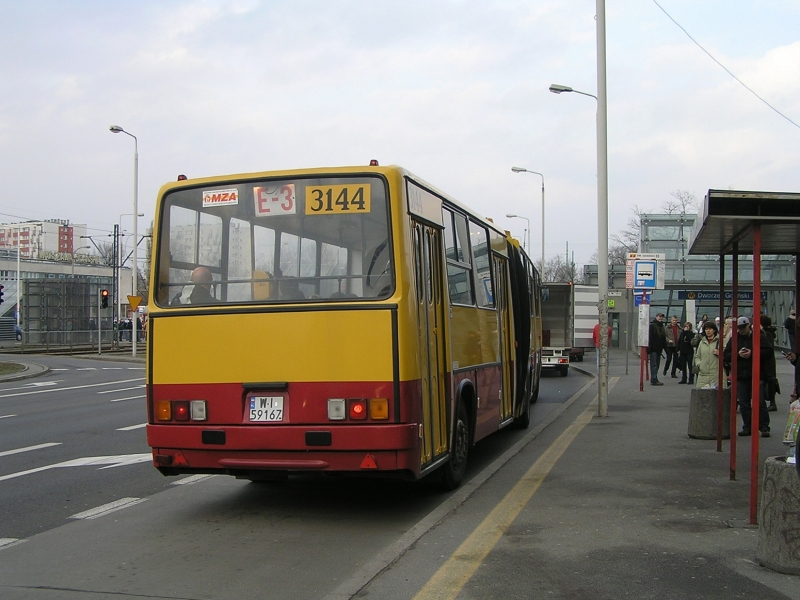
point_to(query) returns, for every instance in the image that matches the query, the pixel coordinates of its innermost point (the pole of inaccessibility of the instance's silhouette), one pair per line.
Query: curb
(31, 370)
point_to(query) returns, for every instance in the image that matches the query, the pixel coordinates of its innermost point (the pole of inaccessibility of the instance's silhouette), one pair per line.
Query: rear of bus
(272, 343)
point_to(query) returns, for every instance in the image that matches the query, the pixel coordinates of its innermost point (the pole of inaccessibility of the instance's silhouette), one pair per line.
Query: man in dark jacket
(744, 374)
(657, 343)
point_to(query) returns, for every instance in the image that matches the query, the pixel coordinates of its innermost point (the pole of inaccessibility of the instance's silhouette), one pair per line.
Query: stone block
(703, 414)
(779, 525)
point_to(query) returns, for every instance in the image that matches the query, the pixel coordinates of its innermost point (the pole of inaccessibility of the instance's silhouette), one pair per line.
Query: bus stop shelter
(739, 223)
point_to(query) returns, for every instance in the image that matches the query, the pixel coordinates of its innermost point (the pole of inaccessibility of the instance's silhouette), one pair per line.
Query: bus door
(430, 316)
(505, 333)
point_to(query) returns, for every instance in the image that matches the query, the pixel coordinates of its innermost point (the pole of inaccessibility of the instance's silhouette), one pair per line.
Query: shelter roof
(728, 217)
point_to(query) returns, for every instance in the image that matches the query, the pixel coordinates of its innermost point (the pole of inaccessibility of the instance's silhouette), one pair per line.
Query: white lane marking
(87, 369)
(132, 427)
(7, 416)
(192, 479)
(8, 542)
(74, 387)
(136, 387)
(59, 369)
(110, 462)
(93, 513)
(30, 386)
(29, 448)
(128, 398)
(135, 368)
(112, 368)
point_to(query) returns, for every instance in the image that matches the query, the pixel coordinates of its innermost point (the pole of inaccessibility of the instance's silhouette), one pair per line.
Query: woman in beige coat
(706, 358)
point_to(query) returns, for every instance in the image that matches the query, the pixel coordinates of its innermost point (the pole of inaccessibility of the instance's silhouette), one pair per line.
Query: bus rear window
(275, 241)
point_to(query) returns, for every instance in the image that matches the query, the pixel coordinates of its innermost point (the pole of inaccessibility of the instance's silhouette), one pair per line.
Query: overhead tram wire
(723, 66)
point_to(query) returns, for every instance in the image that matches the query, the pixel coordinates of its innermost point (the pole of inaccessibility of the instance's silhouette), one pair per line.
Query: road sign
(134, 301)
(645, 271)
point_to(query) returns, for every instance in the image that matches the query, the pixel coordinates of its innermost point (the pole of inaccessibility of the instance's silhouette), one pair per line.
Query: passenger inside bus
(199, 291)
(262, 289)
(289, 289)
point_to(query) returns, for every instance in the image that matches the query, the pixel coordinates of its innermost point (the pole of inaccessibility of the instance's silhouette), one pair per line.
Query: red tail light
(358, 409)
(180, 410)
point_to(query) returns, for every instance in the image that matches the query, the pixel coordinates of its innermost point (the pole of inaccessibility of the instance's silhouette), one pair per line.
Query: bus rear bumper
(242, 450)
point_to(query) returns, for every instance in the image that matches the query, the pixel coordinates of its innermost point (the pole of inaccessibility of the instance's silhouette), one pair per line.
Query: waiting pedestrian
(706, 359)
(657, 343)
(673, 332)
(686, 353)
(744, 374)
(771, 386)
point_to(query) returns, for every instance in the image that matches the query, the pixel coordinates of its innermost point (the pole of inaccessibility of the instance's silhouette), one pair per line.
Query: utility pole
(114, 290)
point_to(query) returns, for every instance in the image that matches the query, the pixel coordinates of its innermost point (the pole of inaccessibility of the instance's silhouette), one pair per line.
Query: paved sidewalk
(635, 508)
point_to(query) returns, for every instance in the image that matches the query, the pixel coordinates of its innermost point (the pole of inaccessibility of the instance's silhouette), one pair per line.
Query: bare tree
(106, 252)
(629, 237)
(683, 200)
(556, 269)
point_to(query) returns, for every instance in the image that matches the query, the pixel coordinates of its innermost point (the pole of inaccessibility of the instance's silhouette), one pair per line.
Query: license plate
(266, 408)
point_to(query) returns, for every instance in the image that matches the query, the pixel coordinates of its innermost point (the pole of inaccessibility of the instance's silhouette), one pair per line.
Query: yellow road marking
(454, 574)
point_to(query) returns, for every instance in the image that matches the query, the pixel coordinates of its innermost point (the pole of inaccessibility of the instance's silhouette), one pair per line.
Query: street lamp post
(528, 226)
(135, 275)
(602, 207)
(73, 258)
(521, 170)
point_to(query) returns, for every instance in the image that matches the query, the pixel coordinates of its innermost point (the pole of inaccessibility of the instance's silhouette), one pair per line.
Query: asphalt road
(72, 450)
(71, 440)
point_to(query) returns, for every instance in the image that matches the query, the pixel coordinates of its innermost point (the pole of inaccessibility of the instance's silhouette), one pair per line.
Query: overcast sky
(454, 91)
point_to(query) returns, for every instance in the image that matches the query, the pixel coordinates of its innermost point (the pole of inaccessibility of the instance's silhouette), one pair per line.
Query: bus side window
(459, 268)
(262, 288)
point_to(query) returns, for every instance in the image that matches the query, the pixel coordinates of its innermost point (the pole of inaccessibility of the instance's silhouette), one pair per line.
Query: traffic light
(1, 293)
(103, 298)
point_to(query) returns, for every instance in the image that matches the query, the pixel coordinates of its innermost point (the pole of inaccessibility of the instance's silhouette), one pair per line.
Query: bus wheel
(522, 421)
(453, 470)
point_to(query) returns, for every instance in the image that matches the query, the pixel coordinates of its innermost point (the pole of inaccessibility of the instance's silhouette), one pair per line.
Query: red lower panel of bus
(229, 449)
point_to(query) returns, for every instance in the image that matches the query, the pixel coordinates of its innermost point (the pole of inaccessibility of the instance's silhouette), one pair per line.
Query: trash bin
(778, 542)
(703, 414)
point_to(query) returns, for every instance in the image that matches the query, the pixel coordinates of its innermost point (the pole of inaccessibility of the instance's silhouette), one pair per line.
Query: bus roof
(347, 170)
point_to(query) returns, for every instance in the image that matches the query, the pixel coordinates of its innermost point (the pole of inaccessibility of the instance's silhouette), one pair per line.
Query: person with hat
(744, 374)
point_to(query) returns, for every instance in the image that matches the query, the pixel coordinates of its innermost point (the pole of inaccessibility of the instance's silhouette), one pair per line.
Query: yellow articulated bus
(349, 319)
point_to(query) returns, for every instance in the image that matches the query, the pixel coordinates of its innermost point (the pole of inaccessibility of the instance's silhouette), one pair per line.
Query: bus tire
(522, 421)
(535, 395)
(454, 469)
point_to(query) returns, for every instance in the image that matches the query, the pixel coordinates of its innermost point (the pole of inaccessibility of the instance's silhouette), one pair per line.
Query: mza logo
(220, 197)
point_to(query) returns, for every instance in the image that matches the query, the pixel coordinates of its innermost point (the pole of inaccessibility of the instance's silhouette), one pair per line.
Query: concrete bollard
(703, 414)
(778, 539)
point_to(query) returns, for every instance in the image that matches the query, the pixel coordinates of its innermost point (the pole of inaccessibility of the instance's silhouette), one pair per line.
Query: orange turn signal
(379, 409)
(164, 410)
